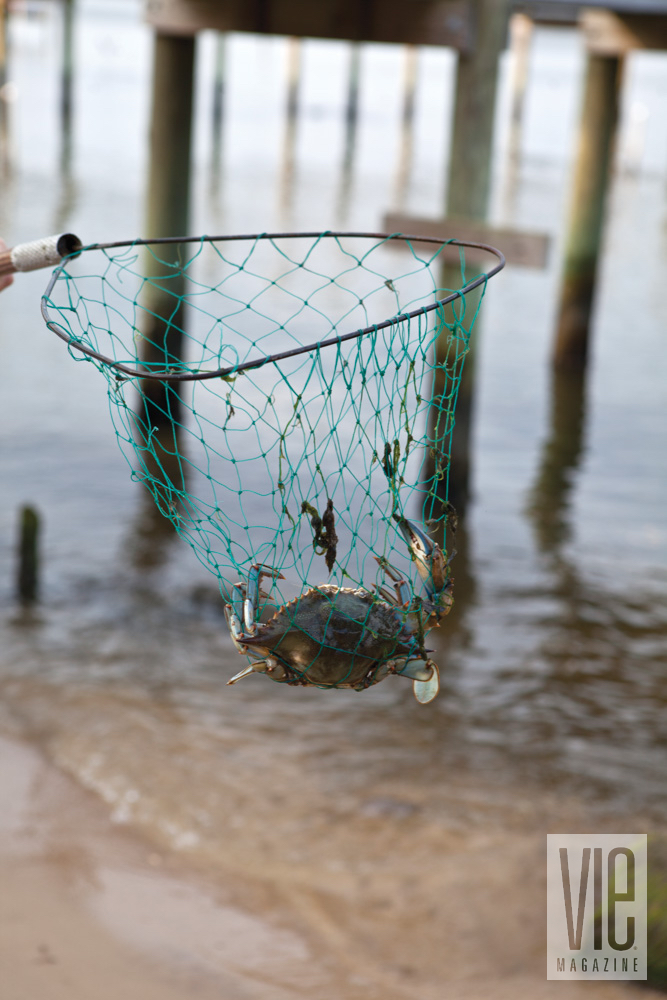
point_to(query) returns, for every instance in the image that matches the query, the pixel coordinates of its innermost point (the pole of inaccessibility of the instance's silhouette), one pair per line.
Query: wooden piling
(286, 190)
(4, 103)
(218, 93)
(407, 123)
(591, 180)
(27, 579)
(521, 36)
(354, 73)
(293, 77)
(66, 71)
(3, 42)
(468, 195)
(351, 120)
(168, 214)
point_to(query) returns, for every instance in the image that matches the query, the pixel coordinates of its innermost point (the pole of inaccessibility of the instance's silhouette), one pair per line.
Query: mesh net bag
(289, 402)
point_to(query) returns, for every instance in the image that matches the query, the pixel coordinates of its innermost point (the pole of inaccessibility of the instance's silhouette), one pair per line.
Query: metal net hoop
(283, 396)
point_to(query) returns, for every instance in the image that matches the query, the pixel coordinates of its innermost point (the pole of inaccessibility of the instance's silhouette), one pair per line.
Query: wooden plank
(521, 248)
(549, 12)
(609, 34)
(415, 22)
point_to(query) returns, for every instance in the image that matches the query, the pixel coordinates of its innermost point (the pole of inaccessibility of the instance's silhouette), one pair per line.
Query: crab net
(282, 397)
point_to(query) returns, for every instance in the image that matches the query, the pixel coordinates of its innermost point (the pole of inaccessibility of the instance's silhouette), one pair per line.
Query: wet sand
(93, 908)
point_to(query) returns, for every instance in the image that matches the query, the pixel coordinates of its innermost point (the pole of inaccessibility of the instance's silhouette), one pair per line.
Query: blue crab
(342, 637)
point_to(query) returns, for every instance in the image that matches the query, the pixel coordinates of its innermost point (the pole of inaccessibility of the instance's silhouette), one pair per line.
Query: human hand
(5, 279)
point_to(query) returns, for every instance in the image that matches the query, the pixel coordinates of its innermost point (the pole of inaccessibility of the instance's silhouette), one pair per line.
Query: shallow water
(553, 662)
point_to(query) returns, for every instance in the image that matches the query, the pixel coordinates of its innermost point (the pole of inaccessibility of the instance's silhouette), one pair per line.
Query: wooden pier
(478, 30)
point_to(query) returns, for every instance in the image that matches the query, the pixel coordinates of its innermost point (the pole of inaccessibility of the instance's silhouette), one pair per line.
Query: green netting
(309, 463)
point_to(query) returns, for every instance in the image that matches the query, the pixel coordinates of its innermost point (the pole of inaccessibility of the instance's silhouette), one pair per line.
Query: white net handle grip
(47, 252)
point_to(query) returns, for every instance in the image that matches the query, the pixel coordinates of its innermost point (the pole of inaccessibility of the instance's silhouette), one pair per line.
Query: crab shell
(341, 637)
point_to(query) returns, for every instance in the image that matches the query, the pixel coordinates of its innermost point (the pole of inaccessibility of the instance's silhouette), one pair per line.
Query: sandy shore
(90, 910)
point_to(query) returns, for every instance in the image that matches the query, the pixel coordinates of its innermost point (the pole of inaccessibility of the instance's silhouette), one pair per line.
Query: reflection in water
(162, 460)
(549, 500)
(163, 318)
(458, 481)
(587, 705)
(447, 462)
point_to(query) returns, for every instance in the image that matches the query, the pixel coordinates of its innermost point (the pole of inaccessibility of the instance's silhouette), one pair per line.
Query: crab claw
(426, 679)
(429, 557)
(235, 630)
(425, 691)
(242, 673)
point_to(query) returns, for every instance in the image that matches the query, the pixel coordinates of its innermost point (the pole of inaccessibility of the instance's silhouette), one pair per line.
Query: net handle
(47, 252)
(176, 376)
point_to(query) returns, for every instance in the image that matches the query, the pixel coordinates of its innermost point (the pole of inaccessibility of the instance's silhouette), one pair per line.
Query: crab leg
(252, 600)
(429, 557)
(384, 594)
(242, 673)
(235, 630)
(268, 666)
(401, 586)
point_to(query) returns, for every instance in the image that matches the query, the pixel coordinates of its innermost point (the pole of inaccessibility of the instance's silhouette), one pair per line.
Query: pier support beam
(595, 149)
(4, 103)
(219, 95)
(168, 196)
(67, 67)
(521, 36)
(167, 213)
(468, 196)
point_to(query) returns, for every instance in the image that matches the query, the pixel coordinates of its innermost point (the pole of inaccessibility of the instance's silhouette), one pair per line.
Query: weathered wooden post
(153, 528)
(66, 71)
(27, 578)
(407, 122)
(548, 505)
(354, 73)
(218, 94)
(168, 202)
(521, 35)
(66, 86)
(351, 121)
(4, 103)
(293, 77)
(596, 136)
(467, 198)
(293, 86)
